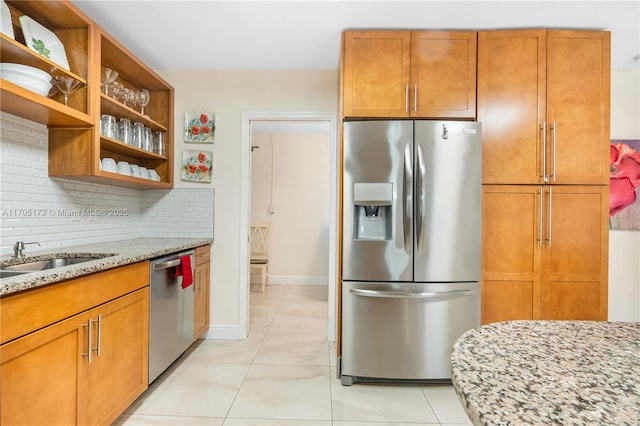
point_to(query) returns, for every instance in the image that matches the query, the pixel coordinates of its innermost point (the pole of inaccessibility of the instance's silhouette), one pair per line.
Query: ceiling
(305, 35)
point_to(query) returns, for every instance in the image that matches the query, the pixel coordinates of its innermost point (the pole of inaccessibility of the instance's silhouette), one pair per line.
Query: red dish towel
(184, 270)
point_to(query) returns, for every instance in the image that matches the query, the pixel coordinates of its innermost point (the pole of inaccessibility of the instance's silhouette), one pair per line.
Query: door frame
(245, 204)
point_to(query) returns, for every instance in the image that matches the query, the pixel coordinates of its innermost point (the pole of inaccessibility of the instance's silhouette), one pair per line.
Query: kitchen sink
(41, 265)
(7, 274)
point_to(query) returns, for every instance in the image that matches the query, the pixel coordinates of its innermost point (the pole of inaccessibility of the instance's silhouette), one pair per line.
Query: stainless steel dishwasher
(171, 313)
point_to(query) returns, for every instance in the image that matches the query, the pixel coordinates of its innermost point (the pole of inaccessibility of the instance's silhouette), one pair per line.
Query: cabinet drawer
(203, 254)
(31, 310)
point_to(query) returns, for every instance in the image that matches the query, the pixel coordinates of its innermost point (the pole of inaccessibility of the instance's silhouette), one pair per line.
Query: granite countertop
(121, 253)
(549, 372)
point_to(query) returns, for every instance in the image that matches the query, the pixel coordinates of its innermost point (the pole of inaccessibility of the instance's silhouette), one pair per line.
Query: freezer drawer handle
(403, 295)
(166, 265)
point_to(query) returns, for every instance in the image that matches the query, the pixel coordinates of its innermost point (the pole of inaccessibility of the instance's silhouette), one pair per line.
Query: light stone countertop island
(549, 372)
(120, 253)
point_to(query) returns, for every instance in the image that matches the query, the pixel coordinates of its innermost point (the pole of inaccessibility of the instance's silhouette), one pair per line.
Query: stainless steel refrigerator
(411, 246)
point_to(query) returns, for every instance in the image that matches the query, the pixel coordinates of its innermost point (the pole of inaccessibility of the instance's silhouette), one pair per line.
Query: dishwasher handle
(409, 295)
(166, 265)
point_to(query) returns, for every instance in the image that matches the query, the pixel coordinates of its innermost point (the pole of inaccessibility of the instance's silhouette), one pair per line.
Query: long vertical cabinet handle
(545, 178)
(415, 98)
(407, 196)
(99, 348)
(550, 212)
(406, 98)
(89, 339)
(541, 223)
(420, 171)
(553, 158)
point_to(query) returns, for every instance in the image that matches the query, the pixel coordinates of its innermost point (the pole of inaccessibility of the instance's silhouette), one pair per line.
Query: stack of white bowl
(28, 77)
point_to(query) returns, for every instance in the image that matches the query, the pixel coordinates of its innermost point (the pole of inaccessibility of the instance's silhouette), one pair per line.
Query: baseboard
(297, 280)
(222, 332)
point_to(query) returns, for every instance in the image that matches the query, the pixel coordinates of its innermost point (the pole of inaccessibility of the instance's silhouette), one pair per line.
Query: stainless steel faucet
(19, 246)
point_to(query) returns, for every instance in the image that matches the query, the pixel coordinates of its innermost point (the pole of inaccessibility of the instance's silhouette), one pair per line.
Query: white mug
(135, 170)
(124, 168)
(108, 164)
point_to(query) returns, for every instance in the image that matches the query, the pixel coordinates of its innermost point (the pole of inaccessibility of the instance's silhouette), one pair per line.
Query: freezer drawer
(402, 330)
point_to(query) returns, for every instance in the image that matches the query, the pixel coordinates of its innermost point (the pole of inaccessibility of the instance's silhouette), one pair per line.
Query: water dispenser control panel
(372, 211)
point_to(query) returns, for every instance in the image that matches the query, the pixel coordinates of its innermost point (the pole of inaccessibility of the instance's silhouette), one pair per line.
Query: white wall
(299, 210)
(624, 246)
(34, 207)
(229, 94)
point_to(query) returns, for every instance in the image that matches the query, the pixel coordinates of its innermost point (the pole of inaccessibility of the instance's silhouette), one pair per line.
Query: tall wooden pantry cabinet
(543, 100)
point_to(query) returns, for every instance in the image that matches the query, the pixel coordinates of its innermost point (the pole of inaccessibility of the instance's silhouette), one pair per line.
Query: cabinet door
(575, 257)
(376, 73)
(45, 376)
(201, 287)
(443, 74)
(511, 105)
(121, 370)
(578, 98)
(511, 252)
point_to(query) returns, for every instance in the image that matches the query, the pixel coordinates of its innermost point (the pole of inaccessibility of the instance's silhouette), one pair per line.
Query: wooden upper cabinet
(578, 102)
(75, 143)
(428, 74)
(376, 73)
(543, 100)
(511, 104)
(443, 74)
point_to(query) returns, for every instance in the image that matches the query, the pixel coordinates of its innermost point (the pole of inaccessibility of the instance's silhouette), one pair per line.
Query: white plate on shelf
(25, 76)
(42, 41)
(6, 27)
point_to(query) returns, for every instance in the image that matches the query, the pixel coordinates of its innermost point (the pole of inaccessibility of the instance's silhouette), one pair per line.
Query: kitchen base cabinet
(545, 252)
(120, 372)
(201, 288)
(45, 376)
(86, 368)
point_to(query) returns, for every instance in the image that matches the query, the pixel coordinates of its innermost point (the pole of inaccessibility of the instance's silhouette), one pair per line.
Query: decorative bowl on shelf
(25, 76)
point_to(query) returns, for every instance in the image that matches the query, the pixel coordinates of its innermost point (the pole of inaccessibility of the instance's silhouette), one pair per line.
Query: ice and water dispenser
(372, 211)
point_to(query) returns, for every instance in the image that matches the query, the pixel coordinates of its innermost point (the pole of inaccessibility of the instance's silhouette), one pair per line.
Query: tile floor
(284, 373)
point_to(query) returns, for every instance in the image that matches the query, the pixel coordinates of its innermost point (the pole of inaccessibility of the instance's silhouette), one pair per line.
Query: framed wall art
(199, 127)
(196, 166)
(624, 185)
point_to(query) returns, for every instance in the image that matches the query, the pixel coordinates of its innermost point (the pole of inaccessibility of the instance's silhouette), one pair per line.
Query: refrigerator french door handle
(420, 198)
(407, 295)
(407, 196)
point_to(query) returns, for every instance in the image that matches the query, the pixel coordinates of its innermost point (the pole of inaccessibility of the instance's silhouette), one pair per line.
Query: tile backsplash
(59, 212)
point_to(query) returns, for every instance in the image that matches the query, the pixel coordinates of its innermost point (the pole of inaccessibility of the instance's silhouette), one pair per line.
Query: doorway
(274, 123)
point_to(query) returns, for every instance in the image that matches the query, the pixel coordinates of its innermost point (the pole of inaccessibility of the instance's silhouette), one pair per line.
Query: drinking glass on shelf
(138, 135)
(127, 95)
(115, 89)
(125, 130)
(142, 98)
(108, 77)
(67, 85)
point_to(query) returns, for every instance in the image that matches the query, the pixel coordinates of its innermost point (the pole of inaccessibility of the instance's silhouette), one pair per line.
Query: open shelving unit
(75, 143)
